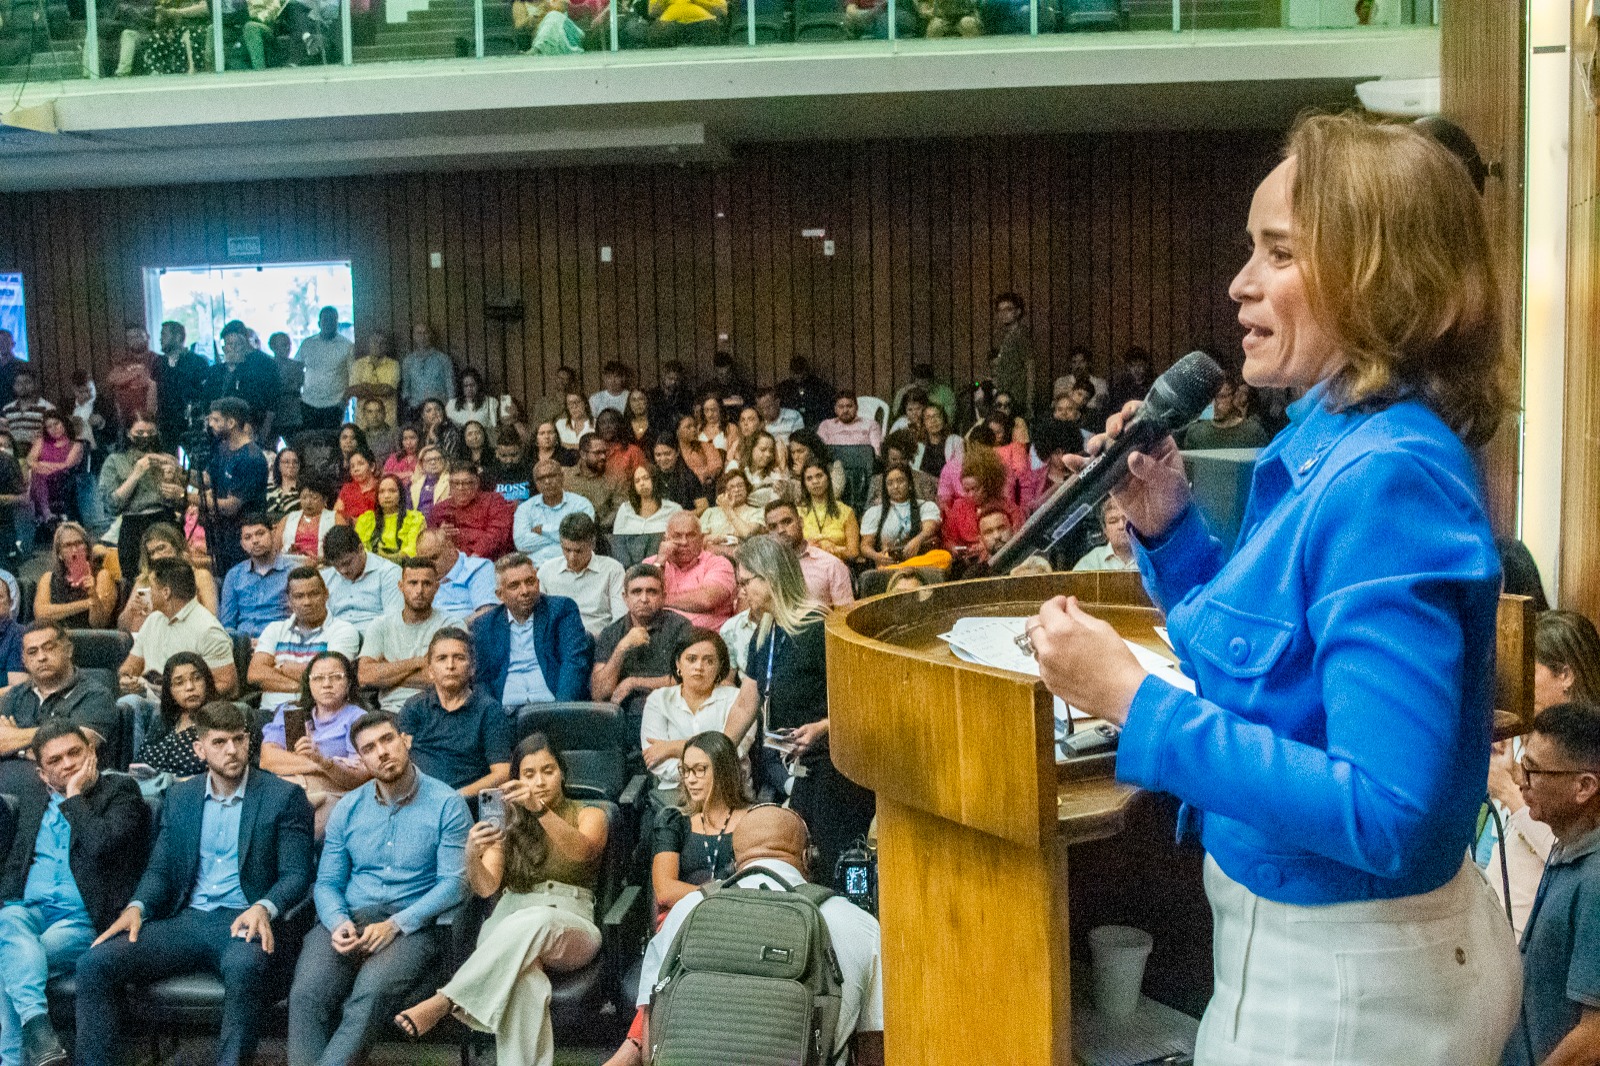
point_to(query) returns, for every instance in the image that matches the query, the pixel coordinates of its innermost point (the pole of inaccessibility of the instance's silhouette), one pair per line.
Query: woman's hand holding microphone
(1081, 658)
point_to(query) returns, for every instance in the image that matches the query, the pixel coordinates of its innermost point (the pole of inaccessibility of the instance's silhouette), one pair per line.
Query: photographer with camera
(234, 481)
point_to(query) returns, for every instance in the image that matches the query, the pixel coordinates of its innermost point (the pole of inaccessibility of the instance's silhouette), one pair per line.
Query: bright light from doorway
(270, 298)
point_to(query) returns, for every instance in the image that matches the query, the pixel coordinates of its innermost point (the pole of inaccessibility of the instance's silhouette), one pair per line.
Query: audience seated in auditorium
(302, 531)
(939, 445)
(237, 474)
(532, 648)
(702, 458)
(1044, 480)
(983, 484)
(714, 427)
(544, 866)
(207, 900)
(362, 586)
(359, 493)
(77, 590)
(131, 482)
(177, 623)
(827, 578)
(763, 461)
(394, 649)
(546, 444)
(776, 842)
(438, 431)
(376, 376)
(288, 645)
(673, 396)
(536, 526)
(321, 759)
(589, 480)
(847, 427)
(593, 582)
(735, 517)
(901, 446)
(937, 392)
(676, 481)
(1231, 424)
(1117, 552)
(907, 412)
(1064, 428)
(1133, 381)
(426, 373)
(163, 540)
(829, 524)
(284, 494)
(699, 583)
(613, 394)
(459, 733)
(466, 583)
(168, 745)
(1560, 769)
(640, 425)
(75, 854)
(477, 522)
(780, 421)
(645, 512)
(391, 528)
(804, 447)
(634, 654)
(54, 462)
(11, 667)
(805, 392)
(475, 444)
(471, 404)
(382, 437)
(622, 455)
(576, 422)
(728, 382)
(24, 415)
(393, 862)
(54, 691)
(699, 701)
(905, 529)
(509, 476)
(403, 462)
(430, 482)
(256, 591)
(1097, 393)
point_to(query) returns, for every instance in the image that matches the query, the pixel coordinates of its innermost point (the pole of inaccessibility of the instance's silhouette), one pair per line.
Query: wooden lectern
(976, 817)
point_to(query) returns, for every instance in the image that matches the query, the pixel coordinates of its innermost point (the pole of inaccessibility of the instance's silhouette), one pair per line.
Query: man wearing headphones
(775, 839)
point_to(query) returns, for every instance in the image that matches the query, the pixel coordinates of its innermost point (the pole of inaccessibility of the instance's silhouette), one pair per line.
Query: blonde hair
(774, 562)
(1399, 269)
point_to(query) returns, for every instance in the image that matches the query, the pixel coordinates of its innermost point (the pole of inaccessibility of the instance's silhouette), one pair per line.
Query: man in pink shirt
(700, 584)
(827, 578)
(848, 427)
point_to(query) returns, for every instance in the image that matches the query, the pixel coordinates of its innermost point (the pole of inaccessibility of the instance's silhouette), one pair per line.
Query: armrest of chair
(626, 901)
(633, 795)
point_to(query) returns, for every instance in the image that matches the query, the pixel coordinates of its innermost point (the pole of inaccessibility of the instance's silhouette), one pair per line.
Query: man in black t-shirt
(633, 655)
(235, 481)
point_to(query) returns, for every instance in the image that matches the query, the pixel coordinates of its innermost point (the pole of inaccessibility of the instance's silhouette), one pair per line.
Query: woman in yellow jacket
(391, 528)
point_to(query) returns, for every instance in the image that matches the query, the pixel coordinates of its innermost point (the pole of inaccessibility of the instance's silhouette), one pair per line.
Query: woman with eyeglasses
(187, 685)
(77, 591)
(321, 759)
(785, 686)
(430, 483)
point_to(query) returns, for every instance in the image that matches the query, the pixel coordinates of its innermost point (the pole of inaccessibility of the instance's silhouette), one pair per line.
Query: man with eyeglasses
(590, 480)
(536, 527)
(477, 522)
(1560, 778)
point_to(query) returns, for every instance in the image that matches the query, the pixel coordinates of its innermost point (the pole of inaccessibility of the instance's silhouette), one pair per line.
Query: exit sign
(244, 247)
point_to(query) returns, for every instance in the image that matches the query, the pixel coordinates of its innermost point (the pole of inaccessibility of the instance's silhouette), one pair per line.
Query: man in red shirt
(133, 388)
(700, 584)
(478, 522)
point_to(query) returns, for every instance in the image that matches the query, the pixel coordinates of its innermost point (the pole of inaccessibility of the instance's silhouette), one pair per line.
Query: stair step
(385, 53)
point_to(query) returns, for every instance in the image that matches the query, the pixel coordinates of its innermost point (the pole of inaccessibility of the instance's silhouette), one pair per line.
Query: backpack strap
(817, 894)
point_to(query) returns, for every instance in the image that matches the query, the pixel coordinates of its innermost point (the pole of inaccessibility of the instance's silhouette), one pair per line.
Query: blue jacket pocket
(1240, 644)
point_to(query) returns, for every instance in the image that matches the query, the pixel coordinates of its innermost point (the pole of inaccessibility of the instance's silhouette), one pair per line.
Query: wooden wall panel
(1114, 240)
(1580, 462)
(1482, 48)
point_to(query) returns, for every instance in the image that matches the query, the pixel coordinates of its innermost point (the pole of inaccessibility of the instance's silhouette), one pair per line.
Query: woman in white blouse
(471, 405)
(901, 527)
(645, 510)
(577, 422)
(698, 703)
(761, 461)
(734, 517)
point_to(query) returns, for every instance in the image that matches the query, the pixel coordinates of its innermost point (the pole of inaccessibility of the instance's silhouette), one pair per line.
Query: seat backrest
(102, 649)
(593, 738)
(875, 409)
(859, 462)
(26, 587)
(876, 581)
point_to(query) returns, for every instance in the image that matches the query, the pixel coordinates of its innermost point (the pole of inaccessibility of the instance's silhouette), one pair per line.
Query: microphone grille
(1182, 392)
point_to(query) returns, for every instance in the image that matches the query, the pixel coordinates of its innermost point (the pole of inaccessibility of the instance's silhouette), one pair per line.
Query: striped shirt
(287, 643)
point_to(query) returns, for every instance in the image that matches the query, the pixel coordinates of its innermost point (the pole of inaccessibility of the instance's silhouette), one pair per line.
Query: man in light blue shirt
(362, 587)
(426, 373)
(536, 527)
(256, 591)
(466, 583)
(393, 861)
(327, 356)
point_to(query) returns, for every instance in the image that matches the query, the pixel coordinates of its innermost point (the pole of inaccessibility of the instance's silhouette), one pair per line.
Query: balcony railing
(52, 40)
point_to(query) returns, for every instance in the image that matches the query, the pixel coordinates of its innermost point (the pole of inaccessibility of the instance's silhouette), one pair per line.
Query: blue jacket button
(1238, 649)
(1269, 875)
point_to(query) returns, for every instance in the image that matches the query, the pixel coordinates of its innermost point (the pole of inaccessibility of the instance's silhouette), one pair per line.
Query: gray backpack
(750, 980)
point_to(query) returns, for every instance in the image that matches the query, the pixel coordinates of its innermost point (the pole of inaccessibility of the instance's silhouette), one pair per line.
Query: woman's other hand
(1083, 660)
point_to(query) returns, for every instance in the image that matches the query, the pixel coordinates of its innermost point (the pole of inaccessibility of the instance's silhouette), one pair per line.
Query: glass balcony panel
(43, 41)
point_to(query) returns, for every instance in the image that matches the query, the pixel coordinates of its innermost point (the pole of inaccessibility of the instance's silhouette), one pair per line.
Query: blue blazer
(275, 845)
(1344, 656)
(561, 644)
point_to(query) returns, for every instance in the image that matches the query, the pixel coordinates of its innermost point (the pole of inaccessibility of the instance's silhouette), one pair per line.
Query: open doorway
(269, 298)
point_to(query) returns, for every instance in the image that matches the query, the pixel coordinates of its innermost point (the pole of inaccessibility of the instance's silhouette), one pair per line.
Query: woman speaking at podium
(1334, 759)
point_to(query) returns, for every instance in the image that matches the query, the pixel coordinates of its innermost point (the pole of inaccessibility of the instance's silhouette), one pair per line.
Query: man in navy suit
(532, 648)
(232, 856)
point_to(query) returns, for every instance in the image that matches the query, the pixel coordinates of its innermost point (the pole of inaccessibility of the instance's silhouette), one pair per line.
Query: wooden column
(1482, 50)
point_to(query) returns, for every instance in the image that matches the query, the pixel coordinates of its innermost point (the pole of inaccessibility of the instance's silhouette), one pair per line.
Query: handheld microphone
(1176, 398)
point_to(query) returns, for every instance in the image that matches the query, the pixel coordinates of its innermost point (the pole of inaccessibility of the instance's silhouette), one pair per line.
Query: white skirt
(1427, 980)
